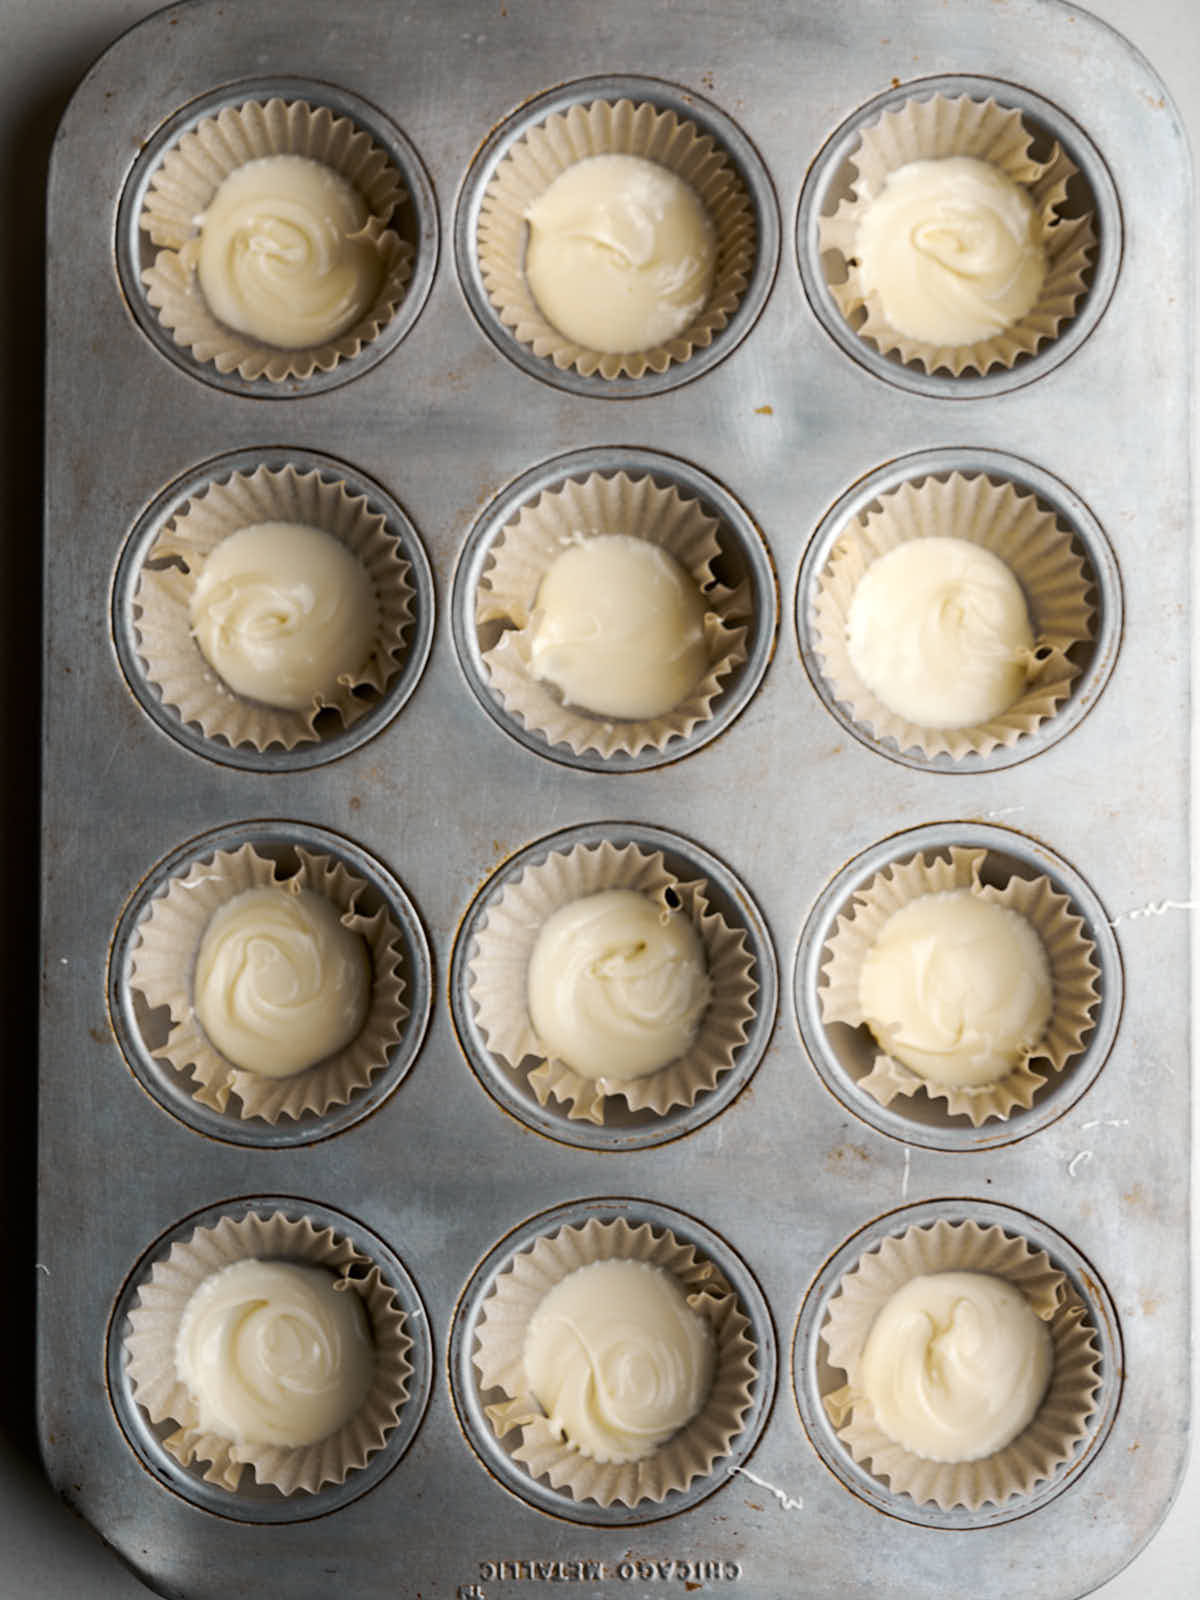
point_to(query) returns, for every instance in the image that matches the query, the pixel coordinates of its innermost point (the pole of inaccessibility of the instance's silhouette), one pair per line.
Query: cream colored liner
(182, 188)
(612, 128)
(523, 552)
(1073, 972)
(162, 598)
(1013, 527)
(498, 979)
(1061, 1421)
(932, 129)
(498, 1358)
(153, 1326)
(164, 957)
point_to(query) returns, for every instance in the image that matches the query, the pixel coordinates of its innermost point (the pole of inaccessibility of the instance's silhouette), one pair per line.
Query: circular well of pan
(416, 223)
(747, 955)
(742, 576)
(746, 222)
(253, 1502)
(844, 1056)
(142, 1030)
(335, 736)
(1091, 659)
(1090, 192)
(471, 1400)
(814, 1378)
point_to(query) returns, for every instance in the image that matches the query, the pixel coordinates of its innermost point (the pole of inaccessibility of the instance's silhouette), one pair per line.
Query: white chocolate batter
(272, 1353)
(282, 256)
(953, 249)
(284, 613)
(279, 983)
(957, 988)
(618, 1360)
(620, 254)
(955, 1365)
(939, 631)
(618, 628)
(617, 985)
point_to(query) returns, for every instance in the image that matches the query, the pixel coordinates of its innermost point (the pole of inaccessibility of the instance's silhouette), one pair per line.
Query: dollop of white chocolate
(280, 983)
(284, 613)
(620, 253)
(955, 1365)
(939, 631)
(618, 628)
(282, 253)
(617, 985)
(957, 987)
(953, 248)
(618, 1360)
(272, 1353)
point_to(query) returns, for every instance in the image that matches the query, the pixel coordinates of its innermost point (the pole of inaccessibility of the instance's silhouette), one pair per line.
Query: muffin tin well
(1092, 659)
(843, 1055)
(471, 1400)
(814, 1378)
(754, 235)
(765, 810)
(742, 568)
(745, 990)
(263, 1503)
(143, 1030)
(333, 733)
(416, 223)
(1091, 192)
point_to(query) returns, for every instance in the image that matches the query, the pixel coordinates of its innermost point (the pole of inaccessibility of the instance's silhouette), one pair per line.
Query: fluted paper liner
(1073, 972)
(164, 957)
(1060, 1424)
(174, 662)
(153, 1326)
(498, 974)
(523, 552)
(1011, 525)
(612, 128)
(499, 1360)
(923, 130)
(182, 188)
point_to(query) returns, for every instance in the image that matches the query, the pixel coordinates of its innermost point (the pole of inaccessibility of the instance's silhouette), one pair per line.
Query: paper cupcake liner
(498, 1358)
(932, 129)
(164, 957)
(1051, 1438)
(612, 128)
(523, 553)
(183, 187)
(1013, 527)
(498, 979)
(1073, 971)
(153, 1325)
(173, 660)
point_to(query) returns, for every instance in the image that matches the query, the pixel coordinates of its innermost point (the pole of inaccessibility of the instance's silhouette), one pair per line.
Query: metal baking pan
(783, 422)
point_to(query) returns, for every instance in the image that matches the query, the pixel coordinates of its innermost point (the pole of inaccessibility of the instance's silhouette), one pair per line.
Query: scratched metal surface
(785, 798)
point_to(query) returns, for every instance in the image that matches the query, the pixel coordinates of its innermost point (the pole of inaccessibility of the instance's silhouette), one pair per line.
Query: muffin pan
(782, 1173)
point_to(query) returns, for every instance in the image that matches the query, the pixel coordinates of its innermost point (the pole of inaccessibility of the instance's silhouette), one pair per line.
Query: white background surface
(45, 47)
